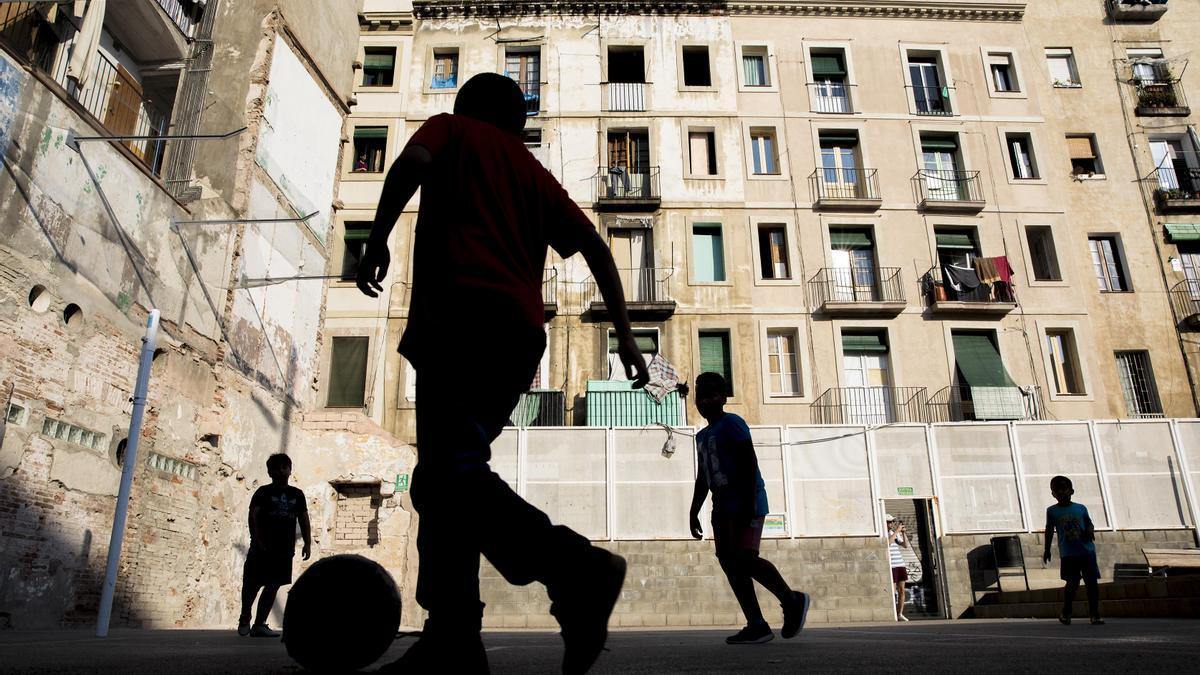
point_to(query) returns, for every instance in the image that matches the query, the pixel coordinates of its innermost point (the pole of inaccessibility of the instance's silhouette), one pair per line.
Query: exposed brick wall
(357, 521)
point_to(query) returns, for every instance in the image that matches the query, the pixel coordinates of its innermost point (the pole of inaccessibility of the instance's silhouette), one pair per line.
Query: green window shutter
(848, 239)
(863, 342)
(979, 361)
(827, 64)
(370, 132)
(960, 241)
(838, 140)
(646, 342)
(1177, 232)
(357, 231)
(348, 372)
(708, 251)
(714, 355)
(383, 59)
(934, 144)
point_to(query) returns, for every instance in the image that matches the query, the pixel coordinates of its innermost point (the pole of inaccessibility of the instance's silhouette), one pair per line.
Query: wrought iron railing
(1185, 303)
(869, 405)
(932, 100)
(1174, 186)
(942, 185)
(856, 284)
(550, 286)
(532, 90)
(960, 403)
(625, 96)
(935, 289)
(619, 183)
(1154, 95)
(832, 97)
(642, 285)
(844, 184)
(185, 14)
(540, 408)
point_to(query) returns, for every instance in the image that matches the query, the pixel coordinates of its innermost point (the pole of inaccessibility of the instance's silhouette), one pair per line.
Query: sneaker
(751, 635)
(794, 615)
(901, 617)
(1064, 619)
(243, 629)
(263, 630)
(583, 609)
(1097, 621)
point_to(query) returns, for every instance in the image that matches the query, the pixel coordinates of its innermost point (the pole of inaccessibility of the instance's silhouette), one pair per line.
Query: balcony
(533, 95)
(1185, 302)
(540, 408)
(949, 191)
(994, 299)
(619, 189)
(1135, 10)
(646, 294)
(154, 30)
(934, 101)
(1160, 98)
(618, 404)
(958, 403)
(858, 291)
(550, 292)
(831, 97)
(869, 405)
(848, 189)
(1176, 190)
(625, 96)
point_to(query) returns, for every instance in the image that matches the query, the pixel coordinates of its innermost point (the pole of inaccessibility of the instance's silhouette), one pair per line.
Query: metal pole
(135, 431)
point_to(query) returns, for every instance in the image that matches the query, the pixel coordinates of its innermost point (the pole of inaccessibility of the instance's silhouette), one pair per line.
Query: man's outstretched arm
(600, 262)
(401, 184)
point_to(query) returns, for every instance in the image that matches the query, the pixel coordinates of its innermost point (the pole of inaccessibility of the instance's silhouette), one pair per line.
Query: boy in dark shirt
(475, 337)
(1076, 548)
(274, 511)
(729, 469)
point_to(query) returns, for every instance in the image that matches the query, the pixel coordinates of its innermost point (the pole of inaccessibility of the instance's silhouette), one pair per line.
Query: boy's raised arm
(600, 262)
(401, 184)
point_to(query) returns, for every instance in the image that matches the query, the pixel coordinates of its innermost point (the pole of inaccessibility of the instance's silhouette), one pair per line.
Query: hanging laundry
(664, 379)
(960, 279)
(986, 269)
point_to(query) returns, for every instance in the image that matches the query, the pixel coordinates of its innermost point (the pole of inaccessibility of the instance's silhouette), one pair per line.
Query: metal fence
(1158, 95)
(844, 184)
(550, 286)
(1185, 302)
(932, 100)
(185, 14)
(958, 403)
(626, 96)
(824, 481)
(856, 284)
(620, 183)
(832, 97)
(641, 285)
(869, 405)
(944, 185)
(540, 408)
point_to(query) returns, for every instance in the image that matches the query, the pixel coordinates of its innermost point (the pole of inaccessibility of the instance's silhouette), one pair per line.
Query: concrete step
(1182, 587)
(1142, 608)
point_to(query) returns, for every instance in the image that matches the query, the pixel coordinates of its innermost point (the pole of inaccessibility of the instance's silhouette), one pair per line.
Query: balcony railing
(1163, 98)
(845, 187)
(995, 297)
(644, 287)
(932, 100)
(832, 97)
(1177, 189)
(1136, 10)
(958, 403)
(1185, 302)
(626, 96)
(185, 14)
(611, 404)
(550, 291)
(620, 186)
(533, 94)
(869, 405)
(949, 189)
(834, 286)
(113, 99)
(540, 408)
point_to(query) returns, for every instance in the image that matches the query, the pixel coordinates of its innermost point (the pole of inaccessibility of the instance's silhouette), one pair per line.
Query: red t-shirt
(488, 212)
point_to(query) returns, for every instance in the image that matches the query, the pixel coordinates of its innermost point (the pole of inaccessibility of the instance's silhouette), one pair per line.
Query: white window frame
(714, 147)
(889, 335)
(992, 55)
(1030, 276)
(431, 53)
(1036, 166)
(1072, 67)
(1121, 261)
(772, 73)
(1045, 327)
(851, 82)
(389, 148)
(780, 156)
(939, 52)
(400, 66)
(794, 333)
(806, 394)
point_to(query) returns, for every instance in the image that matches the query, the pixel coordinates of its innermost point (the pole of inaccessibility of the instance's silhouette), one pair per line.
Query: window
(347, 372)
(865, 371)
(702, 153)
(1177, 165)
(1061, 62)
(626, 64)
(1003, 72)
(782, 367)
(647, 342)
(714, 356)
(708, 263)
(532, 137)
(524, 66)
(370, 146)
(956, 246)
(1064, 361)
(763, 152)
(854, 275)
(1085, 158)
(445, 69)
(930, 95)
(942, 179)
(1107, 263)
(772, 251)
(829, 81)
(379, 66)
(355, 240)
(840, 173)
(1020, 156)
(695, 67)
(1137, 383)
(1147, 65)
(1041, 253)
(756, 72)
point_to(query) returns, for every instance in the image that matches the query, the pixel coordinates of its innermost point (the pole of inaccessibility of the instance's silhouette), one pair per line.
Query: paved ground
(1130, 645)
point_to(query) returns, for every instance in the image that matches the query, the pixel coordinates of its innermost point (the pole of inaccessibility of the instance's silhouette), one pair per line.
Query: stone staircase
(1156, 597)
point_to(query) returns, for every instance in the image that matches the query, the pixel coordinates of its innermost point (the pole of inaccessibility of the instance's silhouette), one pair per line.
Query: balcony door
(633, 252)
(868, 398)
(1189, 255)
(853, 258)
(629, 164)
(840, 166)
(524, 67)
(125, 109)
(927, 86)
(1174, 170)
(940, 158)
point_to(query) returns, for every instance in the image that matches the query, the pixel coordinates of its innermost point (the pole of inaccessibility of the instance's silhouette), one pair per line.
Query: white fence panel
(978, 478)
(566, 475)
(1060, 449)
(1143, 475)
(652, 493)
(768, 446)
(830, 481)
(504, 456)
(902, 459)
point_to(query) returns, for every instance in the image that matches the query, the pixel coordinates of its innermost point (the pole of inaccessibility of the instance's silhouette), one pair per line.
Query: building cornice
(946, 10)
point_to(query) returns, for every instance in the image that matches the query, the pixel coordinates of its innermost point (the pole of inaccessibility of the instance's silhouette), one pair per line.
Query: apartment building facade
(861, 213)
